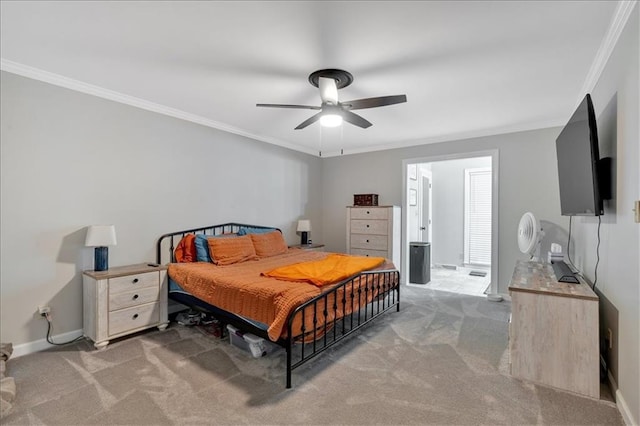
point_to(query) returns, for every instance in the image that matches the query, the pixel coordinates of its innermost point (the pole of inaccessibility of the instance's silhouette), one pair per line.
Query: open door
(425, 206)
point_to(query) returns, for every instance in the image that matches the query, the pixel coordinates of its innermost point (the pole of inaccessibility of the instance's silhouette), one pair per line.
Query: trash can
(419, 262)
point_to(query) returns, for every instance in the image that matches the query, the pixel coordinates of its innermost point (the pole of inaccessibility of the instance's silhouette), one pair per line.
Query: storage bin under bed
(257, 346)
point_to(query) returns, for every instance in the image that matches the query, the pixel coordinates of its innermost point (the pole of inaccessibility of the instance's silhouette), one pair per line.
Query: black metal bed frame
(303, 344)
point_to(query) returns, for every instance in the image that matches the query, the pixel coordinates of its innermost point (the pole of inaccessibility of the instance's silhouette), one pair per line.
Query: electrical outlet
(610, 338)
(43, 310)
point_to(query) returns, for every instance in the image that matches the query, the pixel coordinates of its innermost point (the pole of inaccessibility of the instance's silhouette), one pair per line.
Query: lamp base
(304, 237)
(101, 259)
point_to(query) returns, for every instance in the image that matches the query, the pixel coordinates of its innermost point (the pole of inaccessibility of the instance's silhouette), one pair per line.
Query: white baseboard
(620, 402)
(42, 344)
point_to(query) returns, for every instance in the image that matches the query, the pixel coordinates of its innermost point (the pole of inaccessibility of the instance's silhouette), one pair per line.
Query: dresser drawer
(370, 242)
(371, 227)
(133, 298)
(132, 282)
(369, 213)
(132, 318)
(369, 253)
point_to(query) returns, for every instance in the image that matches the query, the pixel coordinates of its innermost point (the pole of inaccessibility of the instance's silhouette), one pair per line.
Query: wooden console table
(553, 335)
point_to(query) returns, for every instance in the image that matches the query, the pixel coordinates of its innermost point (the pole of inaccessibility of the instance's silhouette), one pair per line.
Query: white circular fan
(529, 235)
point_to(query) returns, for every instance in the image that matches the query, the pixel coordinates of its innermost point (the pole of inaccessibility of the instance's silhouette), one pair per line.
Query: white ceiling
(468, 68)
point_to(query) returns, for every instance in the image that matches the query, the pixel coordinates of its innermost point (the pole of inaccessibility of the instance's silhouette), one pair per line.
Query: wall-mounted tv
(579, 164)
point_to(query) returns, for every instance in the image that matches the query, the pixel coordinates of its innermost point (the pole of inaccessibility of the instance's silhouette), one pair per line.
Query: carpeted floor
(442, 359)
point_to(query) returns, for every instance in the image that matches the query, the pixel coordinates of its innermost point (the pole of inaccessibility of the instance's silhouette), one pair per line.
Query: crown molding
(101, 92)
(618, 21)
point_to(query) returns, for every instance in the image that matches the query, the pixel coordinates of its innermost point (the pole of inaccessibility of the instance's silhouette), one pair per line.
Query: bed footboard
(337, 313)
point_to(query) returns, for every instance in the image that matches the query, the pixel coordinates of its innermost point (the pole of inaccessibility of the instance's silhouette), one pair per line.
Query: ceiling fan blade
(375, 102)
(288, 106)
(309, 121)
(328, 90)
(355, 119)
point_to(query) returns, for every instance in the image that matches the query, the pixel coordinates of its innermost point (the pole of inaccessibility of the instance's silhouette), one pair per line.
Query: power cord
(574, 267)
(47, 316)
(595, 273)
(595, 277)
(569, 245)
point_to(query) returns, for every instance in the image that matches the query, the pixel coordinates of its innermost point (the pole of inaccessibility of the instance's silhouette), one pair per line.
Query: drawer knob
(367, 240)
(135, 280)
(135, 316)
(367, 226)
(135, 296)
(367, 211)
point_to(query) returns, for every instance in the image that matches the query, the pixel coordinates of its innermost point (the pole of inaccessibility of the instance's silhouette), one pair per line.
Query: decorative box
(365, 199)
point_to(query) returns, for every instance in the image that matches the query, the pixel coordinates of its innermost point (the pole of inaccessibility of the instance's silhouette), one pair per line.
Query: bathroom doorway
(449, 204)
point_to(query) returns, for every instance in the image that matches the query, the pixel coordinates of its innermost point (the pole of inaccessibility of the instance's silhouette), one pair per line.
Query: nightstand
(312, 247)
(123, 300)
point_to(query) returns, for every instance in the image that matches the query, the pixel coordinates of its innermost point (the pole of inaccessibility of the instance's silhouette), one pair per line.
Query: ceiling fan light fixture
(331, 120)
(333, 112)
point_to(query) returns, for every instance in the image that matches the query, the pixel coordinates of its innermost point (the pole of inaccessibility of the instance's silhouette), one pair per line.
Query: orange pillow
(269, 244)
(226, 251)
(186, 250)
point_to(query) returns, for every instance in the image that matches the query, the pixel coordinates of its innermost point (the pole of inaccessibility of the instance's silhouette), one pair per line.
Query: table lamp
(304, 226)
(100, 237)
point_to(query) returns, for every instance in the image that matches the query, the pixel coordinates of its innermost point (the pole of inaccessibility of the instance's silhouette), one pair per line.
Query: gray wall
(71, 160)
(528, 180)
(448, 208)
(616, 99)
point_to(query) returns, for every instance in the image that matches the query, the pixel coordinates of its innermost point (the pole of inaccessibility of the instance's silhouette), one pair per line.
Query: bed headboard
(167, 242)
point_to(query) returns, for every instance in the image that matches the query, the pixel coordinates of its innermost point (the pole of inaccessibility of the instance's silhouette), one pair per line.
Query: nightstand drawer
(132, 282)
(131, 318)
(369, 253)
(363, 226)
(369, 213)
(370, 242)
(133, 298)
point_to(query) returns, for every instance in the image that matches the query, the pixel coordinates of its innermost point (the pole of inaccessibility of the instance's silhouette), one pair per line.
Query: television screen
(578, 156)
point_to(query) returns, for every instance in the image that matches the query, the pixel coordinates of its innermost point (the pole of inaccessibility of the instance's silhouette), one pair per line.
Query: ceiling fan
(332, 112)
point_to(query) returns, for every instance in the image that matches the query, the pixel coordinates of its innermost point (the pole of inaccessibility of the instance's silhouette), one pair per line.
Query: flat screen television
(579, 163)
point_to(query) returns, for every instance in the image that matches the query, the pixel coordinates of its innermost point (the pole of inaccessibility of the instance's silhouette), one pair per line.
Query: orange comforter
(242, 289)
(332, 269)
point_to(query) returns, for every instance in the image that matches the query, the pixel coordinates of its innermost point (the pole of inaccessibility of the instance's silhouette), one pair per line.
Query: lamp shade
(101, 236)
(304, 225)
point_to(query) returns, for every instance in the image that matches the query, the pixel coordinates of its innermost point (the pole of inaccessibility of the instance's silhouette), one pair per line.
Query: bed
(305, 318)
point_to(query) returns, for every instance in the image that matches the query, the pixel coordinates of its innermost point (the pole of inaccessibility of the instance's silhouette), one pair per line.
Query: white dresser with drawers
(374, 231)
(124, 300)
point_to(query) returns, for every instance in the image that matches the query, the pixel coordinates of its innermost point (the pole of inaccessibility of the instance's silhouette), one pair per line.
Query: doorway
(451, 202)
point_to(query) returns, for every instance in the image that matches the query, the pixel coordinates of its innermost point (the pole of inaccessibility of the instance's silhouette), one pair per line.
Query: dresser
(374, 231)
(123, 300)
(554, 329)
